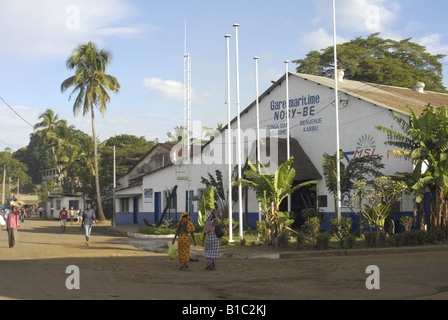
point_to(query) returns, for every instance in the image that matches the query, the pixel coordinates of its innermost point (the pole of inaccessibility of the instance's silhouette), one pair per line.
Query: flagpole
(258, 123)
(240, 188)
(338, 166)
(288, 151)
(229, 139)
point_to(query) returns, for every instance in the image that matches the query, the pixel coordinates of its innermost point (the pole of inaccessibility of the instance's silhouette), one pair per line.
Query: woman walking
(184, 228)
(211, 251)
(12, 222)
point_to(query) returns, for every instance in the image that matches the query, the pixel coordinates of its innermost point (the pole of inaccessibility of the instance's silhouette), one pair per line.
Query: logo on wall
(365, 146)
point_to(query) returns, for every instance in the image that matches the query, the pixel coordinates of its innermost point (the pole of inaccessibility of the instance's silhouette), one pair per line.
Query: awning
(305, 169)
(129, 195)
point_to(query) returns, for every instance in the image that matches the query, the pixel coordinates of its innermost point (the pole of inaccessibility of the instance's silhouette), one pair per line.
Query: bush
(157, 230)
(283, 240)
(300, 237)
(435, 236)
(341, 227)
(223, 241)
(397, 240)
(312, 227)
(351, 240)
(323, 240)
(370, 239)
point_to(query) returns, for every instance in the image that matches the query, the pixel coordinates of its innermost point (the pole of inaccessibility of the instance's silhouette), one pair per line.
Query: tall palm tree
(91, 84)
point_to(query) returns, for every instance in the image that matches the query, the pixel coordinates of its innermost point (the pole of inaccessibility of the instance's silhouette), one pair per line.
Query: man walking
(63, 217)
(88, 216)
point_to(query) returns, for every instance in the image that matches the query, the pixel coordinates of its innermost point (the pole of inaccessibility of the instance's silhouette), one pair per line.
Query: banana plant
(271, 190)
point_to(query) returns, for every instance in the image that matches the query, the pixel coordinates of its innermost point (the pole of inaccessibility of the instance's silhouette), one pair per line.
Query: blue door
(157, 206)
(135, 210)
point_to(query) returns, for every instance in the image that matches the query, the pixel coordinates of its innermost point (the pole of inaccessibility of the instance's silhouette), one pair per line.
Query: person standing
(211, 250)
(88, 216)
(63, 217)
(72, 215)
(12, 223)
(184, 228)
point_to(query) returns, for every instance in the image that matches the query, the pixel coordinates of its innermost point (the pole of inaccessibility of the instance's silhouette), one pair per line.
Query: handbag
(218, 229)
(172, 254)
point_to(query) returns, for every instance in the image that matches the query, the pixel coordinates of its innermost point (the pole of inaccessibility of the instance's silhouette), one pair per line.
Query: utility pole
(4, 184)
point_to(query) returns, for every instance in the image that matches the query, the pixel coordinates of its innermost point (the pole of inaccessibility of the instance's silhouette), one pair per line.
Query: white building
(312, 133)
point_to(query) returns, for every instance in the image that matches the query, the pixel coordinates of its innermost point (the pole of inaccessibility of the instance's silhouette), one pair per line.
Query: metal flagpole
(338, 166)
(240, 188)
(288, 151)
(258, 122)
(229, 138)
(115, 188)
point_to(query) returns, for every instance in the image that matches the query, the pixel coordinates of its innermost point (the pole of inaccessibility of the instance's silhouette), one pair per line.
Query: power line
(17, 113)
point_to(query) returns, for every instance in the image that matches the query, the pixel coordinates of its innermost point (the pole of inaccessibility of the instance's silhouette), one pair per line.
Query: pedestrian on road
(72, 215)
(63, 217)
(88, 216)
(13, 224)
(184, 228)
(211, 250)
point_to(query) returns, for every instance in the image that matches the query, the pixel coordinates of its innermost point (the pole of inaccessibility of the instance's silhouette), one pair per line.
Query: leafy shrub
(223, 241)
(351, 240)
(283, 239)
(312, 227)
(406, 222)
(370, 239)
(157, 230)
(323, 240)
(396, 240)
(300, 237)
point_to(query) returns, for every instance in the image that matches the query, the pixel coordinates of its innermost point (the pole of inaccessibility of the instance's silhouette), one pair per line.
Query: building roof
(390, 97)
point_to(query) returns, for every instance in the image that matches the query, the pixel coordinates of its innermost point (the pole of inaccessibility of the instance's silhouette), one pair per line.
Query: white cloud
(360, 15)
(353, 18)
(433, 44)
(174, 90)
(168, 89)
(319, 39)
(48, 27)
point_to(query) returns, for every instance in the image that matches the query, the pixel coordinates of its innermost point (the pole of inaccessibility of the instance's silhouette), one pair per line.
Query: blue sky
(146, 38)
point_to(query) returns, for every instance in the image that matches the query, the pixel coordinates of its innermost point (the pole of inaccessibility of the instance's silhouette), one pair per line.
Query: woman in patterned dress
(211, 251)
(184, 228)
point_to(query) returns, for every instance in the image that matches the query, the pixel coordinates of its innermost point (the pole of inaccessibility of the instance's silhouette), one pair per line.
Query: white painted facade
(312, 124)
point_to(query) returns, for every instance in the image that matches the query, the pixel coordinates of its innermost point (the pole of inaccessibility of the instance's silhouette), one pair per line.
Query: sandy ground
(113, 269)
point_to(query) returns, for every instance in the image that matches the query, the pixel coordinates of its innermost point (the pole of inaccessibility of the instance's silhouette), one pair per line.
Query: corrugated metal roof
(394, 98)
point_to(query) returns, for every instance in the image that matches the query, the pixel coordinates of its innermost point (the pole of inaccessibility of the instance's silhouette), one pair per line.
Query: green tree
(376, 60)
(271, 190)
(91, 84)
(358, 169)
(424, 140)
(374, 202)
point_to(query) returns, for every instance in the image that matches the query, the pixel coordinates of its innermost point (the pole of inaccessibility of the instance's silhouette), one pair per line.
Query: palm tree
(91, 84)
(48, 126)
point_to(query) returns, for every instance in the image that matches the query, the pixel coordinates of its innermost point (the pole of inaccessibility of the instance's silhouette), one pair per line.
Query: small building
(130, 195)
(57, 201)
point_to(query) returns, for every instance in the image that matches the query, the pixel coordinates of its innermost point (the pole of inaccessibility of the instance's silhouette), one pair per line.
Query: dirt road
(110, 269)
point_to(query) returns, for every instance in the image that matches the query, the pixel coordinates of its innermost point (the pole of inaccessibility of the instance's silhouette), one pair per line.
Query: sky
(147, 40)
